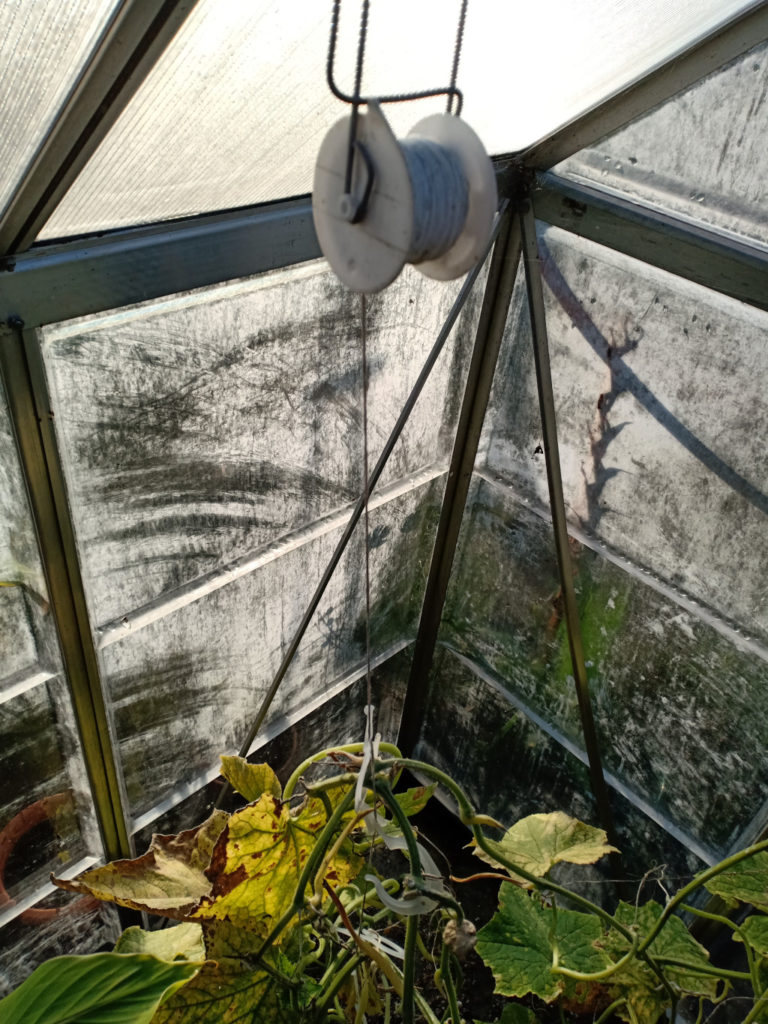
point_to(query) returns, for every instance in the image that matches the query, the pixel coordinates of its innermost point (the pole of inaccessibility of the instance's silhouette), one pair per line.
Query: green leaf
(104, 988)
(169, 879)
(250, 780)
(540, 841)
(517, 944)
(414, 800)
(637, 982)
(258, 859)
(746, 881)
(226, 992)
(755, 930)
(181, 942)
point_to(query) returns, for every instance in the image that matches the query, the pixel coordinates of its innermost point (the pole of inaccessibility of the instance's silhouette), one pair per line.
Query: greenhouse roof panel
(43, 46)
(234, 112)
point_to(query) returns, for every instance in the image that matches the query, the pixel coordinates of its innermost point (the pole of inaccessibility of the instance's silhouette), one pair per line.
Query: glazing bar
(31, 418)
(559, 523)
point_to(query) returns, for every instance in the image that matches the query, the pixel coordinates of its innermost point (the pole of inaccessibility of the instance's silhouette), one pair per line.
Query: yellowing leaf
(224, 993)
(181, 942)
(637, 982)
(258, 859)
(540, 841)
(746, 881)
(755, 931)
(169, 879)
(250, 780)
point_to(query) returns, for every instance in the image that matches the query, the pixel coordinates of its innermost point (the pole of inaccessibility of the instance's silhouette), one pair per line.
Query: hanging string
(368, 683)
(451, 91)
(456, 59)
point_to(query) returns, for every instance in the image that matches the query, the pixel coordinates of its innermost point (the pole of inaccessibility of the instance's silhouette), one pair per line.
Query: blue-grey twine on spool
(440, 197)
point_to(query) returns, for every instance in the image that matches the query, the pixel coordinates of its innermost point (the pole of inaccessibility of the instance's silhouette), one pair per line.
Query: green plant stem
(337, 979)
(597, 975)
(409, 967)
(726, 922)
(385, 793)
(698, 881)
(324, 838)
(757, 1009)
(468, 817)
(349, 748)
(608, 1011)
(446, 976)
(710, 971)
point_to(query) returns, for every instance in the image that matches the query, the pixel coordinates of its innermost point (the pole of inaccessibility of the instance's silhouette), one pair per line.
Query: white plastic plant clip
(429, 199)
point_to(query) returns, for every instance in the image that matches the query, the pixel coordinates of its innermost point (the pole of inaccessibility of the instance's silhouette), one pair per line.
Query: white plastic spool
(433, 200)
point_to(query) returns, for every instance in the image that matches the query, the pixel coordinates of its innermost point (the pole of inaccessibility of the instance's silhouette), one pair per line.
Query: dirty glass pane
(186, 687)
(337, 720)
(23, 593)
(662, 410)
(198, 430)
(511, 765)
(38, 812)
(235, 110)
(46, 817)
(676, 702)
(701, 154)
(43, 45)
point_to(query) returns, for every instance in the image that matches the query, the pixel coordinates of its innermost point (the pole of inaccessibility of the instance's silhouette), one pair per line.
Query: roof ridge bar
(683, 69)
(136, 36)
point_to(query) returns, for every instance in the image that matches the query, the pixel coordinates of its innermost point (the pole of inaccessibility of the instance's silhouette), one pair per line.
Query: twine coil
(440, 197)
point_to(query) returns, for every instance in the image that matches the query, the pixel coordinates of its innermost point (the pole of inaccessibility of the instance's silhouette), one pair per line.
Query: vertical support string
(456, 58)
(366, 492)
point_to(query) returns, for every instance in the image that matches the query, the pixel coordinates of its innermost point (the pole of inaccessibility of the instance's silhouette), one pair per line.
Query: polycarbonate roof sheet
(43, 45)
(702, 154)
(235, 110)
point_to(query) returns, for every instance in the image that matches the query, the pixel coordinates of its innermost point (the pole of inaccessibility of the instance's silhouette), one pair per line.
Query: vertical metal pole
(31, 418)
(490, 331)
(557, 503)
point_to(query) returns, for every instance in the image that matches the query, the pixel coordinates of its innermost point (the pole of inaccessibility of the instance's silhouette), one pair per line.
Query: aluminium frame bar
(733, 267)
(490, 332)
(31, 421)
(680, 71)
(559, 521)
(133, 41)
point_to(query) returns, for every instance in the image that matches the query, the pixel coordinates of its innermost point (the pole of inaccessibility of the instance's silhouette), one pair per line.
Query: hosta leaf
(637, 982)
(250, 780)
(540, 841)
(746, 881)
(181, 942)
(755, 930)
(259, 857)
(104, 988)
(517, 945)
(169, 879)
(224, 993)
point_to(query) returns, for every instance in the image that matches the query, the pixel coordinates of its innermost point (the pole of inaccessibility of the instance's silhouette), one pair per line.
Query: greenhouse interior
(485, 507)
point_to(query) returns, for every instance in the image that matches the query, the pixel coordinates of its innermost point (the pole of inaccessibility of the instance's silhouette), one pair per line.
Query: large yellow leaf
(250, 780)
(540, 841)
(169, 879)
(258, 859)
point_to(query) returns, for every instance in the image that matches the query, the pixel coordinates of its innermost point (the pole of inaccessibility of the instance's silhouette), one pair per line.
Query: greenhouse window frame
(79, 277)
